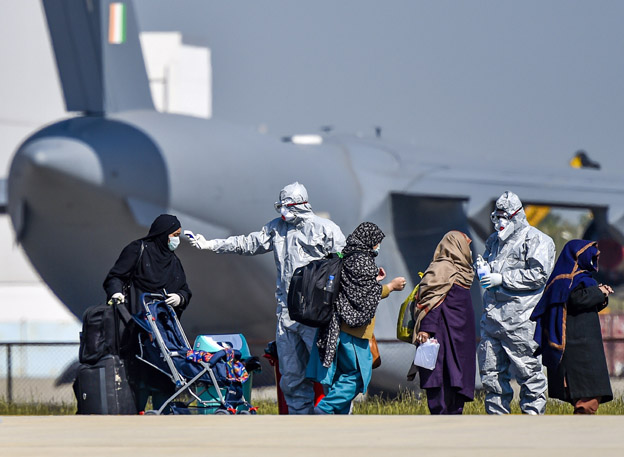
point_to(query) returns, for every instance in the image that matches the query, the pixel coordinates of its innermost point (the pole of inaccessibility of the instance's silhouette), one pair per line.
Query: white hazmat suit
(296, 238)
(521, 259)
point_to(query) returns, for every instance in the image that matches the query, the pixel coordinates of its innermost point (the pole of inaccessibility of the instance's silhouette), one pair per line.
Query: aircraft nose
(39, 169)
(66, 156)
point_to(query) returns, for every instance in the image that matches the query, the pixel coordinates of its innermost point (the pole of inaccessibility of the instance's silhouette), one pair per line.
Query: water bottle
(483, 268)
(330, 288)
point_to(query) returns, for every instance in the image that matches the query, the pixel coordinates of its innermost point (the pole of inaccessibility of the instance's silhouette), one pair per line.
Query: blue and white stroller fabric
(164, 346)
(227, 363)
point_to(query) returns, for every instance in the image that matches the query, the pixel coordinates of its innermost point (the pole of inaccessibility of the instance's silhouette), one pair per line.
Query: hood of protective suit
(293, 203)
(510, 203)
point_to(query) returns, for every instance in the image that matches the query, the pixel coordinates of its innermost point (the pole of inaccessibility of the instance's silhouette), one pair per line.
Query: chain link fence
(42, 372)
(37, 372)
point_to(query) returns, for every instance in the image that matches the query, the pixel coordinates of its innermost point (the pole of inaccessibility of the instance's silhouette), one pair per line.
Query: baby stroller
(205, 382)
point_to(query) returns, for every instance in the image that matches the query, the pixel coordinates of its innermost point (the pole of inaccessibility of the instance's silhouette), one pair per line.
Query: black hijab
(162, 269)
(163, 226)
(150, 266)
(359, 292)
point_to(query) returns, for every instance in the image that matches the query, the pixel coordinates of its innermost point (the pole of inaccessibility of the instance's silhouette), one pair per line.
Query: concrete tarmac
(319, 436)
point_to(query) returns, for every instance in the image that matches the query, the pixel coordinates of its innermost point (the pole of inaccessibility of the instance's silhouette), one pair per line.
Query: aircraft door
(419, 225)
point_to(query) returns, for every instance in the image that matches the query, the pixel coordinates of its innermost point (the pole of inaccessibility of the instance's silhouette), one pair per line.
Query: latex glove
(117, 298)
(492, 280)
(202, 243)
(173, 300)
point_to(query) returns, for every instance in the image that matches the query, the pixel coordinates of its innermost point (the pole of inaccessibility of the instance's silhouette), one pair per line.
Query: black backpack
(103, 333)
(308, 300)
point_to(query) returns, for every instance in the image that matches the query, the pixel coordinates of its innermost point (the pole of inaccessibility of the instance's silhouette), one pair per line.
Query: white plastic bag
(427, 354)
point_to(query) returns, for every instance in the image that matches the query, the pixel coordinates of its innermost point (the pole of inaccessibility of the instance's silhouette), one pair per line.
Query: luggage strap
(123, 311)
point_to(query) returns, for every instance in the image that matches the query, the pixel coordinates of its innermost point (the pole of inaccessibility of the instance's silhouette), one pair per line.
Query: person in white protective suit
(521, 259)
(296, 238)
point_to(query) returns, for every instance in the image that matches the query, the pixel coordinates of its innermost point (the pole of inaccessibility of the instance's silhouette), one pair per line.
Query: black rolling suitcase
(102, 388)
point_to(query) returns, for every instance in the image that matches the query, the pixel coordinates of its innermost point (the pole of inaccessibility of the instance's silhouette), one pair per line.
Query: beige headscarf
(452, 263)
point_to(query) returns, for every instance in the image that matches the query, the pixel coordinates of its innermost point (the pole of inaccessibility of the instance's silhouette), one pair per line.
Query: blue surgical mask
(376, 250)
(174, 242)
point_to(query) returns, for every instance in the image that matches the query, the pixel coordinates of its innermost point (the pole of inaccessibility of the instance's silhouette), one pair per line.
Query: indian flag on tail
(117, 23)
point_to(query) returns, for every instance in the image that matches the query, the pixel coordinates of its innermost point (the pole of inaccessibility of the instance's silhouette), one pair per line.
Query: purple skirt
(453, 325)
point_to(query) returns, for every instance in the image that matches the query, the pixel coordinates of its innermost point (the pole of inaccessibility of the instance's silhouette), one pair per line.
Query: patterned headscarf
(359, 292)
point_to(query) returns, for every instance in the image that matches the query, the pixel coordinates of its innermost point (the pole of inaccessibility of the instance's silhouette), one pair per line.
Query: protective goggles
(500, 214)
(278, 205)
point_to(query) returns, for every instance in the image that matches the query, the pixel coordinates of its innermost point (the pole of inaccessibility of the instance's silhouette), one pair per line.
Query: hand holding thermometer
(198, 241)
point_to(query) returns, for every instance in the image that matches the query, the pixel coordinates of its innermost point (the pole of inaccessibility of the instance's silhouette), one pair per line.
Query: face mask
(174, 242)
(376, 250)
(504, 228)
(287, 214)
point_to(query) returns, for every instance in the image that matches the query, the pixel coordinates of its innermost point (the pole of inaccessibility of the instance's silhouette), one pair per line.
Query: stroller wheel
(248, 412)
(151, 412)
(223, 412)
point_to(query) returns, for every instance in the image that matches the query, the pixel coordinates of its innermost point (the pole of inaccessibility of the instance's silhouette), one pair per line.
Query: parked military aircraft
(82, 188)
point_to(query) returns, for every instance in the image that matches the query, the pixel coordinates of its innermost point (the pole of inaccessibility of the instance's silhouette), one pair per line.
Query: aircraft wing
(403, 170)
(600, 191)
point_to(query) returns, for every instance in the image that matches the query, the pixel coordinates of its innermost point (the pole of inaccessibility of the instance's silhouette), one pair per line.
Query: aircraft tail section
(98, 55)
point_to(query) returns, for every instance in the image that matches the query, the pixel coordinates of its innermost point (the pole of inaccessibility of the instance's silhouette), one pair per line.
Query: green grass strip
(406, 403)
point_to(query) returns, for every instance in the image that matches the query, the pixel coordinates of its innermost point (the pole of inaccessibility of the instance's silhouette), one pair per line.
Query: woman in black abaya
(149, 265)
